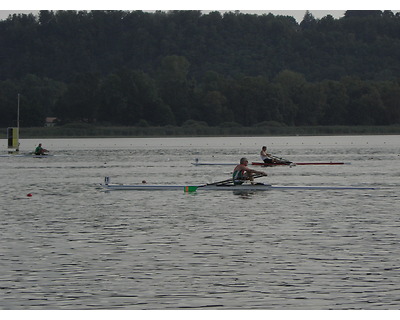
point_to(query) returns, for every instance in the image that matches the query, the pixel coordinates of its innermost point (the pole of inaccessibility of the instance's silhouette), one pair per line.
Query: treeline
(174, 68)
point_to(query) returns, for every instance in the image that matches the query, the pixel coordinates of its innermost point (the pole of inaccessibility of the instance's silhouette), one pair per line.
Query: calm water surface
(73, 246)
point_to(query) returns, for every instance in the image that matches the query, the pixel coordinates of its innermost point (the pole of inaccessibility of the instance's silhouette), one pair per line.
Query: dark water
(72, 246)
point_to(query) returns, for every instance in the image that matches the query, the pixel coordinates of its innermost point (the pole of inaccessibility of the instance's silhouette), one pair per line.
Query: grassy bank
(84, 130)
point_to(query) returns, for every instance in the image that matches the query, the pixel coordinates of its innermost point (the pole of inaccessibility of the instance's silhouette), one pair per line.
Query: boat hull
(296, 164)
(142, 187)
(244, 187)
(269, 164)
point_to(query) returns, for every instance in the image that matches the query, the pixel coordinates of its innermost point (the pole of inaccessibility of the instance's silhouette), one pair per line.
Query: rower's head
(244, 161)
(264, 148)
(40, 144)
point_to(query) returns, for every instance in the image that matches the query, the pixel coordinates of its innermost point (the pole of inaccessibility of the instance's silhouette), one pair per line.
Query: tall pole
(18, 114)
(18, 124)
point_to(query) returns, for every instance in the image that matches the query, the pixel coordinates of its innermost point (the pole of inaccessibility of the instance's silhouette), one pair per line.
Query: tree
(365, 104)
(362, 13)
(390, 94)
(39, 97)
(113, 106)
(128, 97)
(249, 100)
(126, 67)
(8, 103)
(335, 111)
(80, 102)
(215, 109)
(174, 86)
(292, 84)
(308, 21)
(311, 103)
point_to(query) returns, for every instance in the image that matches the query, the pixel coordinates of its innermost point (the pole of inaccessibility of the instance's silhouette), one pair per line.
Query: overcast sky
(293, 8)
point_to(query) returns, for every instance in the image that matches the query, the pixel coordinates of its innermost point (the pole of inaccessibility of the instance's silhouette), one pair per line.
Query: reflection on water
(72, 246)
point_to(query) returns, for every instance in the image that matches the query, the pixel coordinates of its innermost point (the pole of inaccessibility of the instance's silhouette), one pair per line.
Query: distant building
(50, 121)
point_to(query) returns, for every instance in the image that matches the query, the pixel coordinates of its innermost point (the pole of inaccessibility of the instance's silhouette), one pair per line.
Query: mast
(18, 114)
(17, 149)
(13, 134)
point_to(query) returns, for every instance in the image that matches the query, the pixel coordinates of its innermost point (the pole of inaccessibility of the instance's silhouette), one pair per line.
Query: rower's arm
(255, 171)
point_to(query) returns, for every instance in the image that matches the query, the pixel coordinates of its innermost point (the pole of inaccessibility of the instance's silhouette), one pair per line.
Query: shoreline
(90, 131)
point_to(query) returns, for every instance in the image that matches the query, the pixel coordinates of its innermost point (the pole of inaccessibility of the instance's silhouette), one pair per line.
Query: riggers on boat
(222, 186)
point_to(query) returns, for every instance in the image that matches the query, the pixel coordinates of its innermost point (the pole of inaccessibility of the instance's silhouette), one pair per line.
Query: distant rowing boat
(221, 187)
(297, 164)
(269, 164)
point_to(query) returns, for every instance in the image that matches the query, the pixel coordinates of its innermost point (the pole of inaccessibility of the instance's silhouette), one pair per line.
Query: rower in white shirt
(266, 157)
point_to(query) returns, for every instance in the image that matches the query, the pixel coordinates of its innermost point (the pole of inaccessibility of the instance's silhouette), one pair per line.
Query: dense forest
(135, 68)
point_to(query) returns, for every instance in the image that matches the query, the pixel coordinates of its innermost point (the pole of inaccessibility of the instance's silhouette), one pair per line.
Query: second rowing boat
(273, 164)
(296, 164)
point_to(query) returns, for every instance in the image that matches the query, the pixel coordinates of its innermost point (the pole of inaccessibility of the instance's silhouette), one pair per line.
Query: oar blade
(190, 188)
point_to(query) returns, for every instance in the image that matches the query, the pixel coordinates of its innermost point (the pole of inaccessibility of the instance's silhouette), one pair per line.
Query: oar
(282, 160)
(223, 182)
(194, 188)
(218, 182)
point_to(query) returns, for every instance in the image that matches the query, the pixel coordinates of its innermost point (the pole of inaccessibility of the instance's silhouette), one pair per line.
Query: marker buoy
(29, 195)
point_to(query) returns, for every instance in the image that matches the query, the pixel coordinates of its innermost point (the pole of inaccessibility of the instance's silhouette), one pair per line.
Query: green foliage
(194, 123)
(269, 124)
(185, 68)
(38, 98)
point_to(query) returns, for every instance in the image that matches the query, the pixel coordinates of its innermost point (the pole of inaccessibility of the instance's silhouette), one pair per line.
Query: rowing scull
(223, 187)
(297, 164)
(269, 164)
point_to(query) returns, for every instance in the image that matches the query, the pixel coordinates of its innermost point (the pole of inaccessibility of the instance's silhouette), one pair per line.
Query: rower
(242, 172)
(40, 150)
(269, 158)
(266, 157)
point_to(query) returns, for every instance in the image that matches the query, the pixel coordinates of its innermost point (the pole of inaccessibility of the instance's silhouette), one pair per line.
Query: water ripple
(70, 246)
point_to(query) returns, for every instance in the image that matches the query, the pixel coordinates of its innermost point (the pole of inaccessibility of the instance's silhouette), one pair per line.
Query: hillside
(130, 68)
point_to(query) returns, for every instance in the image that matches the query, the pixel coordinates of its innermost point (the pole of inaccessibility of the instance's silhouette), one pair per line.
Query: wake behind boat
(29, 155)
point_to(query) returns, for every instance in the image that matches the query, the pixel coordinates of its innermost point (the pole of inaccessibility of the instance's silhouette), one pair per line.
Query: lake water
(73, 246)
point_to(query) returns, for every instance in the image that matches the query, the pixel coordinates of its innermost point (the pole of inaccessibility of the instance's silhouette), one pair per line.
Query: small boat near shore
(13, 142)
